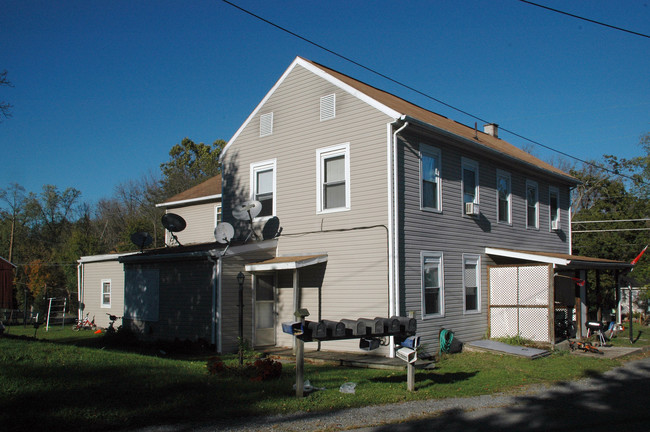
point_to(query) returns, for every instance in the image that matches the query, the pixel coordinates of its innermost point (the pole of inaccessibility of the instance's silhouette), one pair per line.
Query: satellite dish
(271, 228)
(247, 210)
(173, 222)
(141, 239)
(224, 232)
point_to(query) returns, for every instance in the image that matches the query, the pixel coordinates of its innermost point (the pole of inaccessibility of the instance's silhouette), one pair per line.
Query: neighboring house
(101, 277)
(390, 209)
(200, 206)
(7, 274)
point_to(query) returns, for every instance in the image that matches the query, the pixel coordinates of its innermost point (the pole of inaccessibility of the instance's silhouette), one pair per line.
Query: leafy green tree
(189, 165)
(617, 198)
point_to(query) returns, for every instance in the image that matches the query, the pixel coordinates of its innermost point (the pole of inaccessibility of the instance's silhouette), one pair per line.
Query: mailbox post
(300, 314)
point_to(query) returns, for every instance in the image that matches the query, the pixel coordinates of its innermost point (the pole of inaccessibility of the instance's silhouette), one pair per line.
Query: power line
(614, 220)
(585, 19)
(401, 84)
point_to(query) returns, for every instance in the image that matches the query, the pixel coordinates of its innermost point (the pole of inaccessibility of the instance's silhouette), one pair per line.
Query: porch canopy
(286, 263)
(533, 292)
(565, 261)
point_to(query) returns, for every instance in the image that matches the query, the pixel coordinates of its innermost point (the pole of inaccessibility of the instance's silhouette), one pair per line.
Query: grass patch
(640, 336)
(76, 384)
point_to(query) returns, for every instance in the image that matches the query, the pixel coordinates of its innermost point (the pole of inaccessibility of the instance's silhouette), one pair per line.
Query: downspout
(394, 222)
(215, 321)
(393, 255)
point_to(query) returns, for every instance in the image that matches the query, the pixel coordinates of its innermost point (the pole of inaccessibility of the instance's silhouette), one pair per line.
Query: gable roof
(3, 260)
(400, 109)
(208, 190)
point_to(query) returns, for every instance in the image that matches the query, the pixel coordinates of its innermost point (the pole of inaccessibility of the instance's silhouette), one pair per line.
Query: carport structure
(538, 295)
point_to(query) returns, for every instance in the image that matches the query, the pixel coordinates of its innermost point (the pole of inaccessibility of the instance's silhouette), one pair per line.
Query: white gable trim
(299, 61)
(190, 201)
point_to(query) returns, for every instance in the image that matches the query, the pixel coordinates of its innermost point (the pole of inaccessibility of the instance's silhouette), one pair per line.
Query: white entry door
(264, 310)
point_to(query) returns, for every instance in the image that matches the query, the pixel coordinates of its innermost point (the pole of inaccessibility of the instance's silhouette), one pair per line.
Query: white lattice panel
(533, 324)
(503, 285)
(503, 322)
(533, 285)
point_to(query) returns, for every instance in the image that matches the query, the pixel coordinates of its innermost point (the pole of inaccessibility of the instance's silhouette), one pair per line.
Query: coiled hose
(446, 336)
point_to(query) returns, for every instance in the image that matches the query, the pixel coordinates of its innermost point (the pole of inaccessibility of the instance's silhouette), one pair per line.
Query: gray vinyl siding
(200, 219)
(93, 274)
(355, 281)
(454, 234)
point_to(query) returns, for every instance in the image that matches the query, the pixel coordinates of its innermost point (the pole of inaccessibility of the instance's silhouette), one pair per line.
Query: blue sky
(103, 89)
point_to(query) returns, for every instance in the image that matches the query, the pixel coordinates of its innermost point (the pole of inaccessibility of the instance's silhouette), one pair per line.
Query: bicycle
(111, 327)
(84, 324)
(584, 346)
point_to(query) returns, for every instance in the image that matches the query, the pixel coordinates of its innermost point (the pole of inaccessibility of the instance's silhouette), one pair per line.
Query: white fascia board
(527, 256)
(291, 265)
(104, 257)
(251, 247)
(189, 201)
(298, 61)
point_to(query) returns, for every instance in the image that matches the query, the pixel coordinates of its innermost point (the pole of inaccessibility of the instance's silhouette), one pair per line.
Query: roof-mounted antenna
(173, 223)
(223, 233)
(248, 210)
(141, 239)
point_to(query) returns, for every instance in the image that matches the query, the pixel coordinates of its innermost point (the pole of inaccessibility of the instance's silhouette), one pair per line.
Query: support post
(300, 365)
(410, 377)
(629, 315)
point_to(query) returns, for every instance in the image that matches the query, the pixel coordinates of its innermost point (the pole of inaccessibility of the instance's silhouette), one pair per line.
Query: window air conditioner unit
(471, 209)
(555, 225)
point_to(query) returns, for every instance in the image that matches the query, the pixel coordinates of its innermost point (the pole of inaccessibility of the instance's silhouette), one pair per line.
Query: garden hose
(446, 336)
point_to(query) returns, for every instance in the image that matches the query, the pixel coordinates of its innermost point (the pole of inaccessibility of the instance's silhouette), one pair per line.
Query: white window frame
(217, 214)
(256, 167)
(504, 175)
(529, 184)
(105, 305)
(266, 124)
(551, 191)
(321, 156)
(469, 165)
(441, 274)
(433, 152)
(476, 260)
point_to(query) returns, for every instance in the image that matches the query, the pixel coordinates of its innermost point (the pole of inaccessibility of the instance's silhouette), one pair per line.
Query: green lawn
(76, 381)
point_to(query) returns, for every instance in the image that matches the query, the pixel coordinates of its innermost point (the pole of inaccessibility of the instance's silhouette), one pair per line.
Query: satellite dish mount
(173, 223)
(248, 210)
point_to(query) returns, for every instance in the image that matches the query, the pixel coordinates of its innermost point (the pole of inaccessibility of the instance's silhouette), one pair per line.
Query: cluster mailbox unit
(369, 332)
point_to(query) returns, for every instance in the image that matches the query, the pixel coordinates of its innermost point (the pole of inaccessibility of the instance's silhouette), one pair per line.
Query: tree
(618, 194)
(189, 165)
(14, 196)
(5, 107)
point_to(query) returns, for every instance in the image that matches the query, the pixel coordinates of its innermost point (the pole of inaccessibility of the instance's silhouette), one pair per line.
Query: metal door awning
(286, 263)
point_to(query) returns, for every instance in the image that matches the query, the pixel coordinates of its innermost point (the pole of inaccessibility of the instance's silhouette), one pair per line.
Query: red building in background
(6, 284)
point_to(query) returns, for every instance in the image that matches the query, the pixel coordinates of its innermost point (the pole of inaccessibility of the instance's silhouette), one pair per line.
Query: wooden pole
(629, 315)
(300, 363)
(410, 377)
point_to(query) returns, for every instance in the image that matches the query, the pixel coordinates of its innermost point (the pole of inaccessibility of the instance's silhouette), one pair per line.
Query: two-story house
(384, 208)
(408, 212)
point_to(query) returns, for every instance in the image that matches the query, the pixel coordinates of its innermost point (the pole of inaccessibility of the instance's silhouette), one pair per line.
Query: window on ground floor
(432, 284)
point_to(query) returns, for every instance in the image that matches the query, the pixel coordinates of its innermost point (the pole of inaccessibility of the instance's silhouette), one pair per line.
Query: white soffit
(286, 263)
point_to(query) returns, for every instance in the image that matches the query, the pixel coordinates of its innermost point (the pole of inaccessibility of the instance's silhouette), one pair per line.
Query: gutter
(189, 201)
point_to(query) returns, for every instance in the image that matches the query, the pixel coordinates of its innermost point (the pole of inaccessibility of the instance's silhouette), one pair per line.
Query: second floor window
(470, 181)
(333, 192)
(503, 197)
(430, 186)
(217, 215)
(554, 207)
(532, 205)
(263, 186)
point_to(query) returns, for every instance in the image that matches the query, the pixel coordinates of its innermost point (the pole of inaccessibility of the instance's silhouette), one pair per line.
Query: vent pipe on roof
(491, 129)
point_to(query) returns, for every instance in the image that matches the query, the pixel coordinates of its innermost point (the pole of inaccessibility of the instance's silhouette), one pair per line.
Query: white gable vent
(328, 107)
(266, 124)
